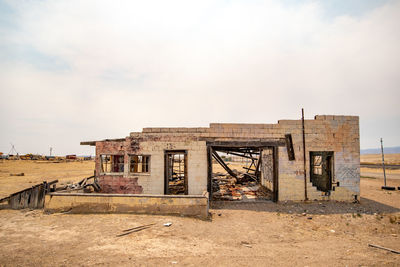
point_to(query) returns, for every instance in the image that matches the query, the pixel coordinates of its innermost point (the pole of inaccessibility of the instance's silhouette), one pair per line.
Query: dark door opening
(321, 170)
(176, 180)
(242, 173)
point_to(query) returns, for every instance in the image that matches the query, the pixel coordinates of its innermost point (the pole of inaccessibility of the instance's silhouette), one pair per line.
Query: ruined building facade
(144, 162)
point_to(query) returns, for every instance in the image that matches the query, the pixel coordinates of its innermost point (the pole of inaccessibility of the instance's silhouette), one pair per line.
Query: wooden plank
(134, 228)
(388, 249)
(276, 176)
(14, 201)
(30, 197)
(88, 143)
(257, 172)
(222, 163)
(248, 144)
(289, 146)
(209, 171)
(185, 161)
(134, 231)
(237, 154)
(24, 199)
(33, 198)
(41, 196)
(250, 169)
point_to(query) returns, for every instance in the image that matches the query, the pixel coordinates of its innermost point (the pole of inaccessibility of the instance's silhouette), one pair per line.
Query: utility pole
(51, 149)
(304, 155)
(384, 171)
(383, 163)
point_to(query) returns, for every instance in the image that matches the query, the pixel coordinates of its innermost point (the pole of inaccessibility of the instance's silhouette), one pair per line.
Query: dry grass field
(267, 234)
(377, 158)
(38, 171)
(377, 173)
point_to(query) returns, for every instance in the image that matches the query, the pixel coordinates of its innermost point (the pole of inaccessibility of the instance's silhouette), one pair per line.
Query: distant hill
(387, 150)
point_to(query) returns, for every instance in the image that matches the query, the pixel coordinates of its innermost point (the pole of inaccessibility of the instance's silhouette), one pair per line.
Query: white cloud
(171, 63)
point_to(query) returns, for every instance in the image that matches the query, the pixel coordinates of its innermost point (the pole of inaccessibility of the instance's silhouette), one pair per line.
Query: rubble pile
(177, 186)
(245, 188)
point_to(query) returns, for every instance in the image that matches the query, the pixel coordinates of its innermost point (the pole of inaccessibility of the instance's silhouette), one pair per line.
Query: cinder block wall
(339, 134)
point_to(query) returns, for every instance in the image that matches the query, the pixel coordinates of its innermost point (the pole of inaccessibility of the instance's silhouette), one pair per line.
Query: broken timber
(81, 185)
(32, 198)
(222, 163)
(388, 249)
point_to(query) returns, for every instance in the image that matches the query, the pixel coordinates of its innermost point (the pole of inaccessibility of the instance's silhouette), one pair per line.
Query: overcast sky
(72, 71)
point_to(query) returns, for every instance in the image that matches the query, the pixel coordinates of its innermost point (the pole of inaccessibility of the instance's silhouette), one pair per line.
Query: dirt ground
(258, 234)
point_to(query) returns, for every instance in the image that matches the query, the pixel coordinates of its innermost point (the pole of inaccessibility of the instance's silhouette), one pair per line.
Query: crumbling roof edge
(88, 143)
(93, 143)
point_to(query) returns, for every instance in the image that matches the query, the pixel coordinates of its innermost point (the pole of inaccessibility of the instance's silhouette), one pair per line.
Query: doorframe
(251, 144)
(323, 154)
(185, 163)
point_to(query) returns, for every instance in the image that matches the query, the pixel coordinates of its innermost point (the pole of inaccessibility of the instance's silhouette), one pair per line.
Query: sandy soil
(377, 158)
(259, 234)
(378, 173)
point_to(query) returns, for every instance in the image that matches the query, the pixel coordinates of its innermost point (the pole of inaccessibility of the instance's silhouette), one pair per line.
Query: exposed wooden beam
(236, 154)
(222, 163)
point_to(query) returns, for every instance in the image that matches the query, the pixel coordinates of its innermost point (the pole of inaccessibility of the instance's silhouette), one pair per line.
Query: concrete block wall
(339, 134)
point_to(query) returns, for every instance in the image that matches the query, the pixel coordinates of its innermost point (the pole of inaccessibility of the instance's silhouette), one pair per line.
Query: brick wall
(119, 185)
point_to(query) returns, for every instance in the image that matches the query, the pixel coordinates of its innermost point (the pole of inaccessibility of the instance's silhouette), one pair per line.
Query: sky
(74, 71)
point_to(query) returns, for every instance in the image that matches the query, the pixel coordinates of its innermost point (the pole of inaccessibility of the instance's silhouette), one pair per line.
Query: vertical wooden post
(209, 172)
(185, 167)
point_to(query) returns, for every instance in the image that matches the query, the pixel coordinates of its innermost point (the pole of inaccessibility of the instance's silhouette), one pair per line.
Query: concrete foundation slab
(182, 205)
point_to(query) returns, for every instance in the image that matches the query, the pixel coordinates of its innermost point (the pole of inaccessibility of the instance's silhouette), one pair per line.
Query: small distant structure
(87, 158)
(71, 157)
(2, 156)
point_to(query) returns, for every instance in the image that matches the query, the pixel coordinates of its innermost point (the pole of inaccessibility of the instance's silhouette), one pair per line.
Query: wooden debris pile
(31, 197)
(177, 186)
(86, 185)
(242, 187)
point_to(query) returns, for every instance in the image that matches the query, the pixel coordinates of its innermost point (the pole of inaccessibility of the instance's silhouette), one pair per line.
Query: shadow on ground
(366, 206)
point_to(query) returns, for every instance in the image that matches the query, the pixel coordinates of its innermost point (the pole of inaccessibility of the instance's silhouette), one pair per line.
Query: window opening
(317, 165)
(139, 164)
(112, 163)
(321, 170)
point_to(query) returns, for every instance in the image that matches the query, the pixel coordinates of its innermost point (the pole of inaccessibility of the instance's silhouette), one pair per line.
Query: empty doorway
(321, 170)
(176, 180)
(242, 172)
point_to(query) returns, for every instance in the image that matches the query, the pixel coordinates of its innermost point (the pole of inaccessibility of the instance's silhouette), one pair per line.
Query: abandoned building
(169, 161)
